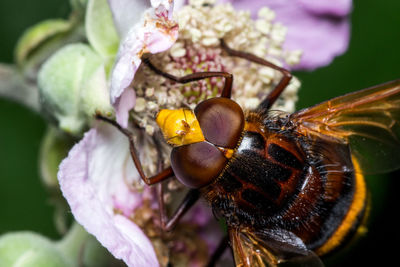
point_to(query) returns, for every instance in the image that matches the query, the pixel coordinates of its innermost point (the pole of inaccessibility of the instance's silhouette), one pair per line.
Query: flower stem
(14, 87)
(73, 243)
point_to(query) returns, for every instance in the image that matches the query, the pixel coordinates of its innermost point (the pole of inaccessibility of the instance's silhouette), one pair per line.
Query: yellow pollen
(180, 127)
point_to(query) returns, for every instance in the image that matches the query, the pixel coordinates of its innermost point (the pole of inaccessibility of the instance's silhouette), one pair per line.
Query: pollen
(202, 24)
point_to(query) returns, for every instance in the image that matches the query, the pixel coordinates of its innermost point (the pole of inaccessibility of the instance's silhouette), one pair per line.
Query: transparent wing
(270, 248)
(367, 120)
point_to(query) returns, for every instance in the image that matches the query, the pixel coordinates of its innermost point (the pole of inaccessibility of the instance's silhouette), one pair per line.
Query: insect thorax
(279, 179)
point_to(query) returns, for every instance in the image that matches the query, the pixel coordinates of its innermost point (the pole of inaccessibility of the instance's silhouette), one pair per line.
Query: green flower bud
(95, 255)
(53, 149)
(100, 29)
(79, 5)
(96, 97)
(43, 39)
(67, 80)
(36, 35)
(30, 249)
(82, 248)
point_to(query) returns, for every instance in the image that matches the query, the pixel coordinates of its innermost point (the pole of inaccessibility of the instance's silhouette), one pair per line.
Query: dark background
(373, 57)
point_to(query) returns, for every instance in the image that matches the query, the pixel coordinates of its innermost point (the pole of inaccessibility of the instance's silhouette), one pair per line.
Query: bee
(290, 187)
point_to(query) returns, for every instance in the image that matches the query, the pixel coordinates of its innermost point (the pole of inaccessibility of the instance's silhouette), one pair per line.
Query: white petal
(127, 13)
(154, 33)
(125, 103)
(93, 180)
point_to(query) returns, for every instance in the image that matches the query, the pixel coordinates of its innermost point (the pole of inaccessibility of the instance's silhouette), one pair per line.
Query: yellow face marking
(180, 127)
(356, 207)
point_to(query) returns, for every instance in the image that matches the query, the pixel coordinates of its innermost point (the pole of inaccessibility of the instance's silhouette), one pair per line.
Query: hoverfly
(290, 187)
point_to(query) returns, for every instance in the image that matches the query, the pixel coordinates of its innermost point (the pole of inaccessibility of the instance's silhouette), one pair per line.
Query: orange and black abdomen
(280, 180)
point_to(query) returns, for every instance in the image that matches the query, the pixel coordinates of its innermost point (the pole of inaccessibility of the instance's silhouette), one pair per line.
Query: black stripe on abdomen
(251, 168)
(283, 156)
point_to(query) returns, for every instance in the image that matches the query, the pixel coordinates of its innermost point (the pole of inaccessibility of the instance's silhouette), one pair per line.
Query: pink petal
(154, 33)
(337, 8)
(210, 231)
(163, 7)
(320, 28)
(92, 179)
(201, 214)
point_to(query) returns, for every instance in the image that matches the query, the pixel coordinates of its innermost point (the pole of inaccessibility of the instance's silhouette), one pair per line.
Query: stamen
(198, 49)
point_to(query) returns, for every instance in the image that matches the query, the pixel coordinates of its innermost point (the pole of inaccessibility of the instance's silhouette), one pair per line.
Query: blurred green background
(373, 57)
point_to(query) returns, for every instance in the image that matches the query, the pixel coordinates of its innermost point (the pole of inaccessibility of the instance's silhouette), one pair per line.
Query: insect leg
(276, 92)
(190, 199)
(223, 244)
(226, 91)
(163, 175)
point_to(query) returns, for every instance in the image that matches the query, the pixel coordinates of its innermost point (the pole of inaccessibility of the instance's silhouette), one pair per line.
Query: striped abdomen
(277, 180)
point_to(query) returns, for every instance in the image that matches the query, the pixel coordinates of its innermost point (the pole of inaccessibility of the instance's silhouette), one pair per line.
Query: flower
(320, 29)
(108, 201)
(123, 238)
(98, 179)
(197, 49)
(155, 32)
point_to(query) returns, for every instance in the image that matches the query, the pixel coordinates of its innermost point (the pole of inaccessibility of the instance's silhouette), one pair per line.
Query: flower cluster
(99, 70)
(198, 49)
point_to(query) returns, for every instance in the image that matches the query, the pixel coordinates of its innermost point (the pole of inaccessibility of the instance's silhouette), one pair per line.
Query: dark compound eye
(221, 121)
(197, 164)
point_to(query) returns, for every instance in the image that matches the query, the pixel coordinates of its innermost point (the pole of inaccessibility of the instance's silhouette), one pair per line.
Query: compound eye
(198, 164)
(221, 121)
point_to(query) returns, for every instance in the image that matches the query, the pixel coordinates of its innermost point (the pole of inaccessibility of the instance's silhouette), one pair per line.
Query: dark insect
(290, 187)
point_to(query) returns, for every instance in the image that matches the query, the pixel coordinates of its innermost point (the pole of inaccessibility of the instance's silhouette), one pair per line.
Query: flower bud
(43, 39)
(36, 35)
(78, 5)
(30, 249)
(100, 30)
(53, 149)
(73, 87)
